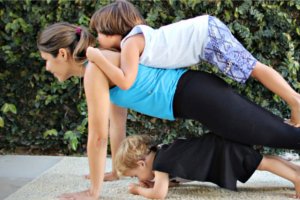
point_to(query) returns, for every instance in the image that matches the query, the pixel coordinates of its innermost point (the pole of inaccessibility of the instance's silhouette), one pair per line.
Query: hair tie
(78, 31)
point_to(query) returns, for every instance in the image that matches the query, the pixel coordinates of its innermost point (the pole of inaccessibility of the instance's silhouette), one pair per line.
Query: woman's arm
(97, 95)
(125, 76)
(117, 133)
(159, 190)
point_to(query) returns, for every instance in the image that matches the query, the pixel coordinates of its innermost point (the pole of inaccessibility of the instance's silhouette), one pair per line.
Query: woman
(161, 93)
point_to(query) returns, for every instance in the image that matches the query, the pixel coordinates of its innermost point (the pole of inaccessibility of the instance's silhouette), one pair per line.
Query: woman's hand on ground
(84, 195)
(108, 176)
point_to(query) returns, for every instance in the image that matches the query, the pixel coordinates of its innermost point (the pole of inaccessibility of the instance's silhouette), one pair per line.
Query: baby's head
(131, 157)
(117, 18)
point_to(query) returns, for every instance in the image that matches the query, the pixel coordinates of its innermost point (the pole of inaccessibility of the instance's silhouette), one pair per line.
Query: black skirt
(209, 158)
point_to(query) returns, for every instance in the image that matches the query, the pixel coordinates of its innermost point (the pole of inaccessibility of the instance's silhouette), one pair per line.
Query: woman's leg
(208, 99)
(282, 168)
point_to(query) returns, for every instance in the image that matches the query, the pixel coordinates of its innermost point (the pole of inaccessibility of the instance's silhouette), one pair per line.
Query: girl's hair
(64, 35)
(117, 18)
(131, 150)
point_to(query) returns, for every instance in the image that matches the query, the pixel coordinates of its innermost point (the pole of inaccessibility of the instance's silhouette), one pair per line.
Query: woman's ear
(63, 53)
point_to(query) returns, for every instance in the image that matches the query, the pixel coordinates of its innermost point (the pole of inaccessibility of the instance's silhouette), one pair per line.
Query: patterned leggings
(227, 53)
(205, 97)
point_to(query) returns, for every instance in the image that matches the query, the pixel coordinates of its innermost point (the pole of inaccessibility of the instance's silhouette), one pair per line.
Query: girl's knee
(258, 69)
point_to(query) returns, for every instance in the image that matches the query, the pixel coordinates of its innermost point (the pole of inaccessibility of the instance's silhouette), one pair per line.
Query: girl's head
(117, 18)
(130, 159)
(63, 45)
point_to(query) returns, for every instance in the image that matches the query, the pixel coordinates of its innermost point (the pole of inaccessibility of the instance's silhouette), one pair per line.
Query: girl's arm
(117, 133)
(97, 95)
(159, 190)
(125, 76)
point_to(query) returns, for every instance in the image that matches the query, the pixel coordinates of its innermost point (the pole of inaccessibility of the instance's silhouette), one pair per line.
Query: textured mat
(67, 176)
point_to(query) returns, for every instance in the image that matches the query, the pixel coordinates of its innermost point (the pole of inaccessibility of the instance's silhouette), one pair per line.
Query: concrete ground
(46, 177)
(16, 171)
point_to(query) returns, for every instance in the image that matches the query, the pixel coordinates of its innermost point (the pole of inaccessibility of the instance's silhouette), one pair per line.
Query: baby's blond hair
(131, 150)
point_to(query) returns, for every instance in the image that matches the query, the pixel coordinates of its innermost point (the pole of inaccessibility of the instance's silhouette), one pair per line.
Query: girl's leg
(272, 80)
(228, 54)
(282, 168)
(208, 99)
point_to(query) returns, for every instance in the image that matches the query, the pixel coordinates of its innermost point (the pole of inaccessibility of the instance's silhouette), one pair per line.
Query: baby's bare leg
(282, 168)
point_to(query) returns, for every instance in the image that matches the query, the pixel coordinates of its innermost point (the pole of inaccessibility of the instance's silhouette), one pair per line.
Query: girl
(177, 45)
(209, 159)
(161, 93)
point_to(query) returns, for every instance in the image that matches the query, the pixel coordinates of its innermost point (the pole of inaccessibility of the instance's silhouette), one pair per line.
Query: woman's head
(117, 18)
(75, 39)
(64, 42)
(133, 149)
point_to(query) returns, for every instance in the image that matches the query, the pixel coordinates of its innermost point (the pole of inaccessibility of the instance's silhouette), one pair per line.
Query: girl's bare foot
(108, 176)
(295, 113)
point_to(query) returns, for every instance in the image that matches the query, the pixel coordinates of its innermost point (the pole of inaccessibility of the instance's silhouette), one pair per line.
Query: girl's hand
(84, 195)
(93, 53)
(133, 188)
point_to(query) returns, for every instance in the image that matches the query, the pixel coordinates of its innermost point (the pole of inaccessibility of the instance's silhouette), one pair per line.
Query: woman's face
(60, 67)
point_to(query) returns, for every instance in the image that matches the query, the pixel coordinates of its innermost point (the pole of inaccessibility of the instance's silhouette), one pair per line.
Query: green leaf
(298, 31)
(50, 133)
(1, 122)
(7, 107)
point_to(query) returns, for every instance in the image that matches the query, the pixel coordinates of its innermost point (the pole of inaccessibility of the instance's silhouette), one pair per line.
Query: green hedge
(37, 112)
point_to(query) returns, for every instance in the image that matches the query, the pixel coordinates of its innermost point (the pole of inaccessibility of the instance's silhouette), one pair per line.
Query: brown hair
(64, 35)
(131, 150)
(117, 18)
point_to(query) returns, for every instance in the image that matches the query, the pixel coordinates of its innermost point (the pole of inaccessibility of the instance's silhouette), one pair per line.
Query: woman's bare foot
(108, 176)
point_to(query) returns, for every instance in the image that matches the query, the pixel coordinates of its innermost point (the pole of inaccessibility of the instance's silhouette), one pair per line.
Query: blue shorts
(227, 53)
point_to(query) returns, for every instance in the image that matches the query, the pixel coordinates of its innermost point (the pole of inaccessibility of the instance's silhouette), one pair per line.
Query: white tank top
(177, 45)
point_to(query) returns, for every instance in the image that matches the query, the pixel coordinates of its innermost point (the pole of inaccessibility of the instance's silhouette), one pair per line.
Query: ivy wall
(38, 113)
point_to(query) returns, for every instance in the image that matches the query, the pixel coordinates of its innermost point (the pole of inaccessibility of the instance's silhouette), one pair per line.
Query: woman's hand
(84, 195)
(110, 176)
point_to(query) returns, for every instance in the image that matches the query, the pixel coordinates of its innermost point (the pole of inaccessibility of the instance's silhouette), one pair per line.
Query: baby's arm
(125, 76)
(158, 191)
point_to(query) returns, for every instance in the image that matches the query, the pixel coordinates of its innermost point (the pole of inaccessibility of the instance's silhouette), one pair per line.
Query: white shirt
(177, 45)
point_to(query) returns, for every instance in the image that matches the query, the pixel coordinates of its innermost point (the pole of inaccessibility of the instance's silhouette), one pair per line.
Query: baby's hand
(92, 53)
(146, 184)
(133, 188)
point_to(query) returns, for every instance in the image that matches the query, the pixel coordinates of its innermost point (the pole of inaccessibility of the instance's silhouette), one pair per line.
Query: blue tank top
(152, 92)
